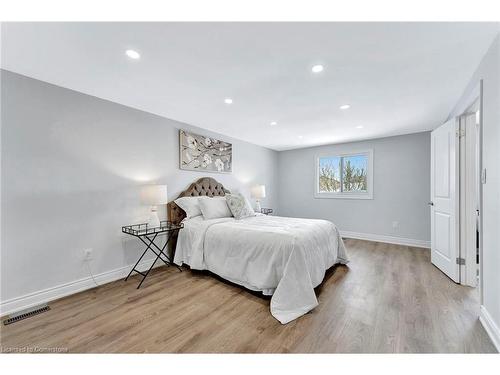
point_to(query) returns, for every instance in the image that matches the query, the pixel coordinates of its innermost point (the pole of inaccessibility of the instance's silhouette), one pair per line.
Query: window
(345, 176)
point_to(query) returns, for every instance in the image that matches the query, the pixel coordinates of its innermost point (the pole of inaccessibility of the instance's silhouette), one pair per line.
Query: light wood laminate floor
(389, 299)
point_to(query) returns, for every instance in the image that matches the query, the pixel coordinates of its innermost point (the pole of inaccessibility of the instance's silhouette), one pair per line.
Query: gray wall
(401, 188)
(489, 71)
(72, 165)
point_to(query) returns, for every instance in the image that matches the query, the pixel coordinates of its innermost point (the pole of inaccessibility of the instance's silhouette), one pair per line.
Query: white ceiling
(398, 77)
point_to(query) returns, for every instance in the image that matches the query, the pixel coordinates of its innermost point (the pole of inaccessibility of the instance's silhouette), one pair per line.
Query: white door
(444, 199)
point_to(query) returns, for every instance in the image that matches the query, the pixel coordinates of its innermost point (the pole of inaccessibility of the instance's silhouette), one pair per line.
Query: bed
(283, 257)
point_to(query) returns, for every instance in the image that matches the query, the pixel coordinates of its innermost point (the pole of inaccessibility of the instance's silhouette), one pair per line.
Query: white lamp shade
(154, 195)
(259, 191)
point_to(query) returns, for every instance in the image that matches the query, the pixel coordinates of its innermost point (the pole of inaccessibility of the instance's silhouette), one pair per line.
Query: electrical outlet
(395, 224)
(87, 254)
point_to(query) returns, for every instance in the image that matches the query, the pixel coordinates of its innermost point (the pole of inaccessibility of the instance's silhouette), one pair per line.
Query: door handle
(431, 203)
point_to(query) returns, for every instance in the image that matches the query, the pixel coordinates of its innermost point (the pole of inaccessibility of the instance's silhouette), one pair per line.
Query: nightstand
(148, 236)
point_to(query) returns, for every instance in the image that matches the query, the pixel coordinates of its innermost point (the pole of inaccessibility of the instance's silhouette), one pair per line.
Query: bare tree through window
(343, 174)
(329, 175)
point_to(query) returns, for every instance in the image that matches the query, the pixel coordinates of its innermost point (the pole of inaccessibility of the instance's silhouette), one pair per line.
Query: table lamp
(154, 195)
(258, 192)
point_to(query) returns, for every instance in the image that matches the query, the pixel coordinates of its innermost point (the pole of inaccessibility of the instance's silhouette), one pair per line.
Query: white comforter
(279, 256)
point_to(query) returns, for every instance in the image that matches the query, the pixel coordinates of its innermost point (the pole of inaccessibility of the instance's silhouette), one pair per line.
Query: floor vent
(24, 314)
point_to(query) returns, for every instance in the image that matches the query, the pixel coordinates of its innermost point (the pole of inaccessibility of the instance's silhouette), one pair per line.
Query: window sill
(343, 196)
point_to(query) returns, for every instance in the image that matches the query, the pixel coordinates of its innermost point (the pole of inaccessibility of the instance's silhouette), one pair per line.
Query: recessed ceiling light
(359, 127)
(228, 101)
(273, 123)
(133, 54)
(317, 68)
(345, 106)
(301, 136)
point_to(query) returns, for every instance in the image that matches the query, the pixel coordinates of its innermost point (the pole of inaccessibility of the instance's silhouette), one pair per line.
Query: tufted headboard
(205, 186)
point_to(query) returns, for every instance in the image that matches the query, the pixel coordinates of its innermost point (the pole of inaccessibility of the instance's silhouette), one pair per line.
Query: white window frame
(346, 194)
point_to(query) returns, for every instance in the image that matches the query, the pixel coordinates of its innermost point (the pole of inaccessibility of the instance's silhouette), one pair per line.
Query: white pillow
(190, 206)
(214, 208)
(239, 206)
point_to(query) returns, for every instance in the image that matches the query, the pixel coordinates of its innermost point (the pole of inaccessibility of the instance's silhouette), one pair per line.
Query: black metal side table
(148, 236)
(266, 211)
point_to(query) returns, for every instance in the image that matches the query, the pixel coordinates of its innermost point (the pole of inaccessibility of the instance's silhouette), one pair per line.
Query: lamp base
(154, 220)
(257, 206)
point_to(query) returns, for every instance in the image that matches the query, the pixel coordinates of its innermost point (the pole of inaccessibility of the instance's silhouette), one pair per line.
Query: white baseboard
(63, 290)
(490, 327)
(386, 239)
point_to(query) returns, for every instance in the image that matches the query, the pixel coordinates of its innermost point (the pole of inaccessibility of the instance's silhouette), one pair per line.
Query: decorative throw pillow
(239, 206)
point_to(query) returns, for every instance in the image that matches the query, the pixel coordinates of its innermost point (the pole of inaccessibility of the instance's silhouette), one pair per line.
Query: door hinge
(460, 133)
(461, 261)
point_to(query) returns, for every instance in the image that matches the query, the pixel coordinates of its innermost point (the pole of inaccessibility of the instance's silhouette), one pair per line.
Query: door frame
(476, 95)
(469, 195)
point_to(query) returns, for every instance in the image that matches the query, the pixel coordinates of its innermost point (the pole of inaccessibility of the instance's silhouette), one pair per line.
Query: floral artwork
(206, 154)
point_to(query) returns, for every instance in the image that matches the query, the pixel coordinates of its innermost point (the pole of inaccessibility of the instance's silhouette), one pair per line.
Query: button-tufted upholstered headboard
(205, 186)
